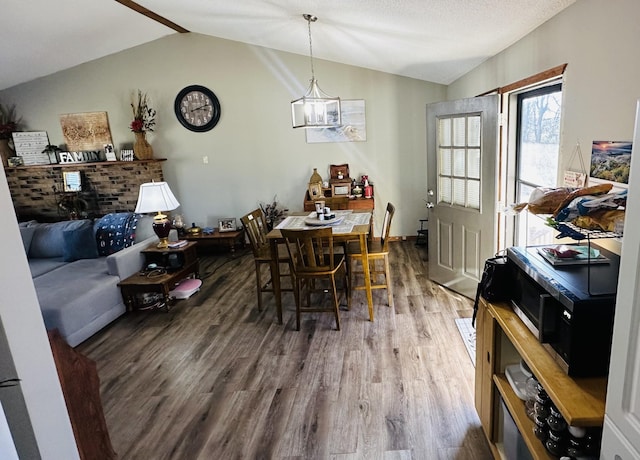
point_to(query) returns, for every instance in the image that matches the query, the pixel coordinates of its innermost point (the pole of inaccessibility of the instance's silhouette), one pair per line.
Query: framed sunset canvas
(610, 161)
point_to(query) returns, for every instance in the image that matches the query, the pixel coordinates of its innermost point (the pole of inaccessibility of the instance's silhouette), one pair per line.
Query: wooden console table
(366, 204)
(229, 239)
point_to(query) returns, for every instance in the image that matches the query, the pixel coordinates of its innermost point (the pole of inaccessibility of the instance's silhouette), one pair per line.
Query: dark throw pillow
(27, 235)
(80, 243)
(115, 232)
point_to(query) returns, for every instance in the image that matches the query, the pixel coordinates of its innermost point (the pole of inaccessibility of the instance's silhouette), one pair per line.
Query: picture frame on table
(341, 189)
(315, 191)
(14, 162)
(227, 224)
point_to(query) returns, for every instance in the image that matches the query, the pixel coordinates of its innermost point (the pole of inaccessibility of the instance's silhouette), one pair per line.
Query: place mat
(468, 335)
(350, 220)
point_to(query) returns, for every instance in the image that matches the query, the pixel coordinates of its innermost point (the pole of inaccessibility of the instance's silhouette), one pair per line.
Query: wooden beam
(151, 15)
(534, 79)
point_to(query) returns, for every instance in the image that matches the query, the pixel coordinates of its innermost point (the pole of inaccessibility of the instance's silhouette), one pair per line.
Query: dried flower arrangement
(273, 213)
(144, 117)
(8, 121)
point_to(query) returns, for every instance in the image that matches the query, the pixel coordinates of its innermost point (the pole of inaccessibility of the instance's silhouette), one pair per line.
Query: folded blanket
(587, 204)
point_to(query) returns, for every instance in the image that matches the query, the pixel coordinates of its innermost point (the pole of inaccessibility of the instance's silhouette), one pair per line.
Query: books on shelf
(178, 244)
(571, 255)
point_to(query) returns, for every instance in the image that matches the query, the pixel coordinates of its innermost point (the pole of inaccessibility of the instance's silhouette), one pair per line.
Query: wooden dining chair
(255, 225)
(312, 258)
(378, 251)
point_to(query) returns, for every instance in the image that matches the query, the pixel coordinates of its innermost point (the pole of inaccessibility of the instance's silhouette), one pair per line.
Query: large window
(537, 148)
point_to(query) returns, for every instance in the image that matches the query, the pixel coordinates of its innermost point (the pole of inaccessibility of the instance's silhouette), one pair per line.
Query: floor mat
(468, 334)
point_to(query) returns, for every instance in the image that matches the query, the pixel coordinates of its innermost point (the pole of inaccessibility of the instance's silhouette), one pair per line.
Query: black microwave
(569, 308)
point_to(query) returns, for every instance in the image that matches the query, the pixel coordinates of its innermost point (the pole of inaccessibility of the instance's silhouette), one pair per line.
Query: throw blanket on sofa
(116, 231)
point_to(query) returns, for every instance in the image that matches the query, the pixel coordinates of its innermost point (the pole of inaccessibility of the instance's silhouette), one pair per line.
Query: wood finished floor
(216, 379)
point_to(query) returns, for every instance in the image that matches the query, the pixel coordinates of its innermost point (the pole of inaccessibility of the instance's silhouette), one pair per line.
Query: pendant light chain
(310, 19)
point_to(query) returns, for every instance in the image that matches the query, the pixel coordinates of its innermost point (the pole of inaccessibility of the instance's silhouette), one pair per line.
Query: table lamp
(157, 197)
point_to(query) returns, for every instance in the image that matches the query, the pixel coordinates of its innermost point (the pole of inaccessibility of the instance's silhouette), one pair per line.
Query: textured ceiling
(433, 40)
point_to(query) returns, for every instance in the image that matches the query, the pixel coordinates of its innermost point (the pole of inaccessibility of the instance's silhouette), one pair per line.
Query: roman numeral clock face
(197, 108)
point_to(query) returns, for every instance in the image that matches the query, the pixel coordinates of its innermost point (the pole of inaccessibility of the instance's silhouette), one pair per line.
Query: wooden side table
(173, 265)
(229, 239)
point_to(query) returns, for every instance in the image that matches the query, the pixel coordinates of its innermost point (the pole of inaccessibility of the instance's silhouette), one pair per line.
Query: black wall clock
(197, 108)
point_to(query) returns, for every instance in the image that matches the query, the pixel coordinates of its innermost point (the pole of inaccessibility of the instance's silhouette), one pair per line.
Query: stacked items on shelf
(593, 212)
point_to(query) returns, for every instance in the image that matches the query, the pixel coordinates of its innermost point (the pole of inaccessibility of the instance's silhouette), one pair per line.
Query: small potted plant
(8, 124)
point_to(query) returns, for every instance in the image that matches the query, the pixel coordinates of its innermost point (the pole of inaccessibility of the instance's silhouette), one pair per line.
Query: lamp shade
(155, 197)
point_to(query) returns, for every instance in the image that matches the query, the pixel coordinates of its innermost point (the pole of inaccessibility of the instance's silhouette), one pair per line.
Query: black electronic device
(569, 308)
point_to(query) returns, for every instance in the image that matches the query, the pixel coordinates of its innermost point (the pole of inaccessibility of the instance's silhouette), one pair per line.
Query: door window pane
(459, 162)
(473, 164)
(473, 138)
(444, 131)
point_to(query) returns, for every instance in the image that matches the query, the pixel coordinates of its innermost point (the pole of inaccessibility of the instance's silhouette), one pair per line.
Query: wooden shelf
(525, 424)
(93, 163)
(581, 401)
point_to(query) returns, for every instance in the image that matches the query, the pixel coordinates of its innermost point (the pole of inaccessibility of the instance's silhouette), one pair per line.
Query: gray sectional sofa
(77, 287)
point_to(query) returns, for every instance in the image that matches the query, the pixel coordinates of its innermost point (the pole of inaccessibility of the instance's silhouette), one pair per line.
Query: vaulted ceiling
(432, 40)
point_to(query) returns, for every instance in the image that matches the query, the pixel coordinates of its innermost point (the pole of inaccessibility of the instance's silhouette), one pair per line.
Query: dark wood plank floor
(216, 379)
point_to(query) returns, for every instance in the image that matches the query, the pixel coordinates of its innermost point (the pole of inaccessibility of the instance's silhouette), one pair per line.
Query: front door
(462, 140)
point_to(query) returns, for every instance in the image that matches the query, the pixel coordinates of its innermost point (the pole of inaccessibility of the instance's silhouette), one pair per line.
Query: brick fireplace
(108, 186)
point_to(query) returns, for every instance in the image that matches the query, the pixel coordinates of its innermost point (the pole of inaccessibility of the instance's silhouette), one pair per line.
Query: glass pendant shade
(316, 109)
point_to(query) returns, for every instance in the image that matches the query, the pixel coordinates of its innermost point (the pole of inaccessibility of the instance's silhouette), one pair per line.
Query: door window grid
(459, 157)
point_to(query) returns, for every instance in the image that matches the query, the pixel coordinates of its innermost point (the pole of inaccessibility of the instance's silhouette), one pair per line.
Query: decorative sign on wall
(29, 145)
(80, 157)
(353, 127)
(85, 131)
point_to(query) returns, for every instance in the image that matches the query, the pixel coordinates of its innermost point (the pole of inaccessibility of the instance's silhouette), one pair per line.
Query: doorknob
(430, 192)
(429, 205)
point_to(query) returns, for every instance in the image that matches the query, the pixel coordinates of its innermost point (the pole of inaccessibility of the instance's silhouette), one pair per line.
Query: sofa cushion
(39, 267)
(115, 232)
(80, 243)
(27, 235)
(48, 239)
(75, 294)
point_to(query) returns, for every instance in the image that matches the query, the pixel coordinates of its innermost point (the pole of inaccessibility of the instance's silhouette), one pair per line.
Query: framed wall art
(353, 127)
(30, 146)
(610, 161)
(85, 131)
(72, 181)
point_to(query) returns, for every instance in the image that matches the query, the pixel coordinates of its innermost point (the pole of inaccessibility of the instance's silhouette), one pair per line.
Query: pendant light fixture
(316, 109)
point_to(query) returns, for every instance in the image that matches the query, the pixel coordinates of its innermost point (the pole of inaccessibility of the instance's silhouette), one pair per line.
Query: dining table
(347, 225)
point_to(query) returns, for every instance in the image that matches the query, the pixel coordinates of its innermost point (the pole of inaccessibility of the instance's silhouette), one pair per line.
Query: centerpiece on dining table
(322, 216)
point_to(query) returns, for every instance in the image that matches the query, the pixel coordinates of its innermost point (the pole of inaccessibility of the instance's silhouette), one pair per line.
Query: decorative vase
(6, 152)
(141, 148)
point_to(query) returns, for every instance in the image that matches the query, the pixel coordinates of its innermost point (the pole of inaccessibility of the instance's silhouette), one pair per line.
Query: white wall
(29, 346)
(254, 154)
(598, 40)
